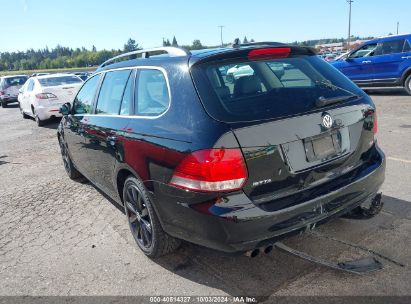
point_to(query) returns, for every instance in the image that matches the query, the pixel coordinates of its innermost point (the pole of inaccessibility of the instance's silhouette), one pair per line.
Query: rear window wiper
(322, 101)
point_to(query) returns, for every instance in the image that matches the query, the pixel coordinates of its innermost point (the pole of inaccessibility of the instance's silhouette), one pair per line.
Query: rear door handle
(366, 61)
(406, 57)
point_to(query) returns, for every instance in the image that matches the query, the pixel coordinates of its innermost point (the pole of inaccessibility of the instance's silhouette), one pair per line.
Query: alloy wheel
(138, 217)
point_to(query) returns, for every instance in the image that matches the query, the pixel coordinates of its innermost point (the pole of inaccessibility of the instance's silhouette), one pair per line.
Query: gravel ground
(59, 237)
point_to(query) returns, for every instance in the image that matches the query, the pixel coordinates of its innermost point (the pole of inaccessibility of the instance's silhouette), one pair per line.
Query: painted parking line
(399, 160)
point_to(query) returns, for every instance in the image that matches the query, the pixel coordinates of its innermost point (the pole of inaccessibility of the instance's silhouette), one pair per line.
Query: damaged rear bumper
(233, 223)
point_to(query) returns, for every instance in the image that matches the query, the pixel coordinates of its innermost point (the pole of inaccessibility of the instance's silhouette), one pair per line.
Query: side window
(392, 47)
(365, 51)
(83, 103)
(407, 47)
(127, 98)
(30, 85)
(152, 93)
(111, 92)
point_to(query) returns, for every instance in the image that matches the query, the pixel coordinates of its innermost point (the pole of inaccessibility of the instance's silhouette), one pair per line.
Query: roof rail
(171, 51)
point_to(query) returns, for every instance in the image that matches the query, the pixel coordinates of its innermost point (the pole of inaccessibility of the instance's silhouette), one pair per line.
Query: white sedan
(42, 96)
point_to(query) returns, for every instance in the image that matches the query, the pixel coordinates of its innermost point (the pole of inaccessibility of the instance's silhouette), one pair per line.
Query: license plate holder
(322, 147)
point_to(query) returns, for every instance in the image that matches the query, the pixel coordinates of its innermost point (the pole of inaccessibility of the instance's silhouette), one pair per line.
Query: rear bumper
(235, 224)
(8, 98)
(47, 112)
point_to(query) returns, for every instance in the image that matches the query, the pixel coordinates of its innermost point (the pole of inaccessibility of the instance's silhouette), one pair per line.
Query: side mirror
(65, 109)
(20, 91)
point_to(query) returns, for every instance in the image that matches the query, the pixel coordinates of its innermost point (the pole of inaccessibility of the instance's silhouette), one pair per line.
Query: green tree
(197, 45)
(174, 43)
(245, 40)
(131, 45)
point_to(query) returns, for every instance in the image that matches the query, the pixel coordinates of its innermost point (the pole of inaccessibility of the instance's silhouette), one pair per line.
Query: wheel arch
(122, 173)
(405, 75)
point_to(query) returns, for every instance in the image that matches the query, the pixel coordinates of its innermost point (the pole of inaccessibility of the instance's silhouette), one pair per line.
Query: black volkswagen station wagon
(234, 163)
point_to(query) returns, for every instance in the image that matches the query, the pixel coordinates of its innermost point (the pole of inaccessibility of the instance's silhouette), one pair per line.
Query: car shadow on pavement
(3, 162)
(262, 276)
(386, 92)
(52, 123)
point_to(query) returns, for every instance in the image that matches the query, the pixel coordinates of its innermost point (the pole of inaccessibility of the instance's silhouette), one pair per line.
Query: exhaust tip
(268, 249)
(253, 253)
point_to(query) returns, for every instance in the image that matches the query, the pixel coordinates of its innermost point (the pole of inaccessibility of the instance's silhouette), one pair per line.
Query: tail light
(211, 170)
(1, 92)
(45, 95)
(375, 123)
(269, 53)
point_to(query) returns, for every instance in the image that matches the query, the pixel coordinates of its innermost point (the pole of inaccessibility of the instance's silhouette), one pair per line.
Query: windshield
(58, 81)
(243, 90)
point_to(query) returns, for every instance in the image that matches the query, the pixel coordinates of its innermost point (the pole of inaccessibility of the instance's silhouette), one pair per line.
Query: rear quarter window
(152, 93)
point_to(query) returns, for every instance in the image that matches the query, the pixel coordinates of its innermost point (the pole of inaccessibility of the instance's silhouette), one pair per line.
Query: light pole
(349, 23)
(221, 34)
(398, 27)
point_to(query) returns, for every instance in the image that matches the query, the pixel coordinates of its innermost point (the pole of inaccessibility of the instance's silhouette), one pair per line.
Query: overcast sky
(108, 24)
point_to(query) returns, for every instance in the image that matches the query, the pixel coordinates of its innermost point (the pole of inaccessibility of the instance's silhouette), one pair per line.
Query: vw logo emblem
(327, 121)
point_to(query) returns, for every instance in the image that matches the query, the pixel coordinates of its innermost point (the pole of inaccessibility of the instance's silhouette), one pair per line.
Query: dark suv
(228, 165)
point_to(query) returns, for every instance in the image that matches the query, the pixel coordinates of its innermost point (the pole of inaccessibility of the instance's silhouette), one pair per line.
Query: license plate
(322, 147)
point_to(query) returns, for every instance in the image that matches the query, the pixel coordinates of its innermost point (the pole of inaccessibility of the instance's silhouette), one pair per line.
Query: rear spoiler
(259, 51)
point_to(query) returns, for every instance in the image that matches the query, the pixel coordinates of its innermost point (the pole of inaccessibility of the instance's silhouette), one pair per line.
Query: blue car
(382, 62)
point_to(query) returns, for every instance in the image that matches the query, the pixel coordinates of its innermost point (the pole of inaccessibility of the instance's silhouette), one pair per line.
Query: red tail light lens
(211, 170)
(375, 123)
(270, 53)
(1, 92)
(45, 96)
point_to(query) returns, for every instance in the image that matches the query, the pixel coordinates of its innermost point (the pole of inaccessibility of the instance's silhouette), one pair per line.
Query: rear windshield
(15, 81)
(58, 81)
(244, 90)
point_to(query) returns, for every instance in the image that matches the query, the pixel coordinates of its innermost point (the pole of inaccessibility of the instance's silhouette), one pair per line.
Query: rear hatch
(303, 132)
(60, 89)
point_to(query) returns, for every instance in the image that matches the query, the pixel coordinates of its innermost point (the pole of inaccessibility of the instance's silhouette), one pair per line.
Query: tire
(25, 116)
(71, 171)
(4, 104)
(143, 221)
(39, 122)
(407, 85)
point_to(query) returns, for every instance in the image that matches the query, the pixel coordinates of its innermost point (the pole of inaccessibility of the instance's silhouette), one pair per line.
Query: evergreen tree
(130, 45)
(174, 43)
(245, 41)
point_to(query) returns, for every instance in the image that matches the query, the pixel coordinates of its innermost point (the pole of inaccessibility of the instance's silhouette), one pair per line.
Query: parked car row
(41, 95)
(232, 164)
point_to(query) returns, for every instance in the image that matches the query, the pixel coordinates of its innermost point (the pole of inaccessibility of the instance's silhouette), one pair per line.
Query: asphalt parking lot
(60, 237)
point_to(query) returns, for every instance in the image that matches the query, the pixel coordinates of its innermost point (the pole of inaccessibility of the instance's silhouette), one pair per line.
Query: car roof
(191, 56)
(53, 75)
(387, 38)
